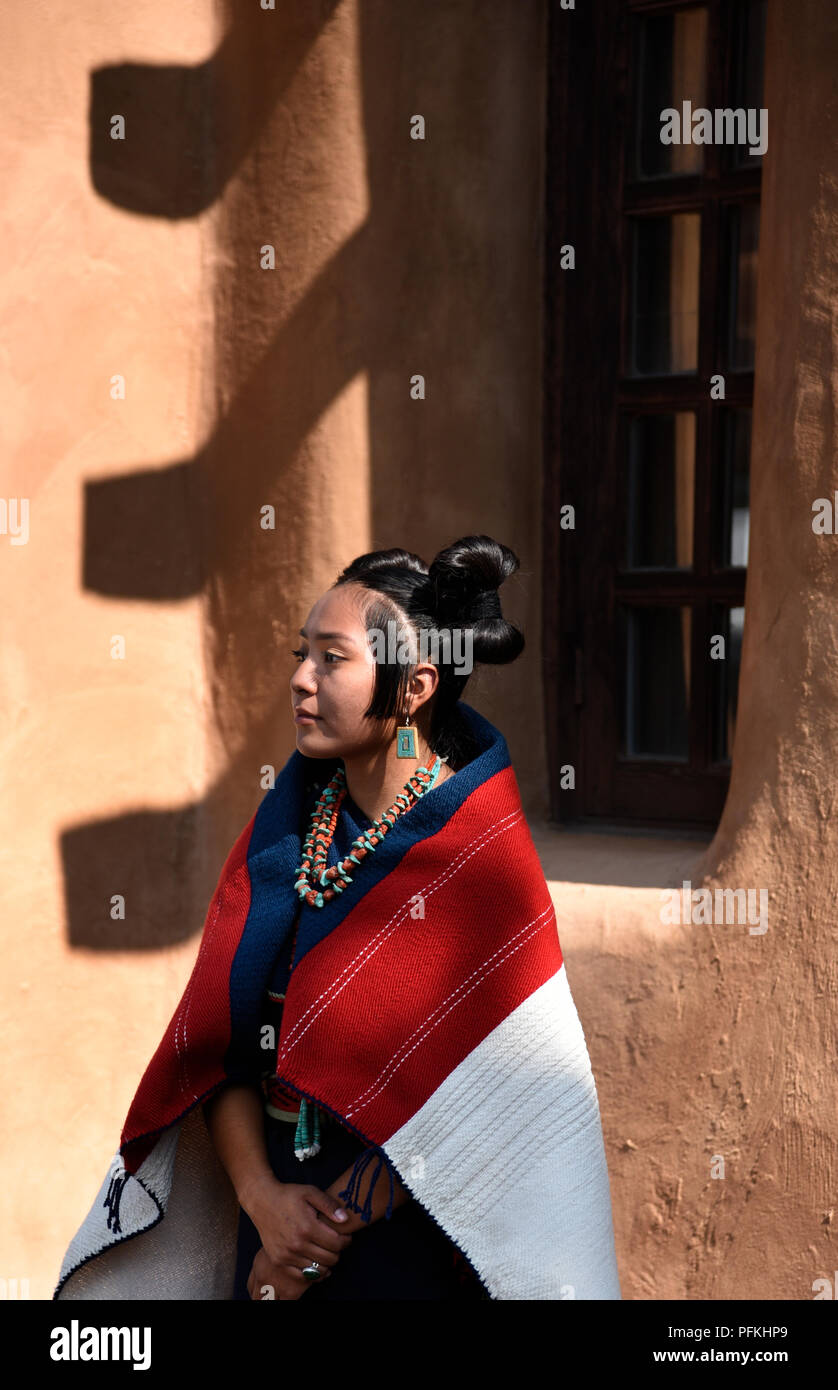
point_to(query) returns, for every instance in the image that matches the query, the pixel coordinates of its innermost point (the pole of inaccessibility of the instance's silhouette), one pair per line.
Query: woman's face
(334, 679)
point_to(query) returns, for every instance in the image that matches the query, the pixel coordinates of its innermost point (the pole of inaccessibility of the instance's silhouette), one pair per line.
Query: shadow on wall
(163, 534)
(187, 130)
(156, 877)
(185, 140)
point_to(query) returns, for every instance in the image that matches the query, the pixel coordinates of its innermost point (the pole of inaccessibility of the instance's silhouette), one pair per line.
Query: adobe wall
(145, 657)
(717, 1043)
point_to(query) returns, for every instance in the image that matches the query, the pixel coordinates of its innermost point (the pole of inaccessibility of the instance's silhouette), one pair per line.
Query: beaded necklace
(313, 871)
(316, 884)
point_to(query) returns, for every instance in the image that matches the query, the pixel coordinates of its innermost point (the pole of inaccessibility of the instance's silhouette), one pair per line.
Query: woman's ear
(425, 681)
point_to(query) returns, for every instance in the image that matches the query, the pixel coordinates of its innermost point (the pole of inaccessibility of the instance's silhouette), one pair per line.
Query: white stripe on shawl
(508, 1157)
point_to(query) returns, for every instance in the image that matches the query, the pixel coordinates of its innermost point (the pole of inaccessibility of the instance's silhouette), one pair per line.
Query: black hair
(458, 590)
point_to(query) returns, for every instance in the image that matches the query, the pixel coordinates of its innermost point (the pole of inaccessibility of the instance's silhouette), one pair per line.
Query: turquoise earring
(406, 740)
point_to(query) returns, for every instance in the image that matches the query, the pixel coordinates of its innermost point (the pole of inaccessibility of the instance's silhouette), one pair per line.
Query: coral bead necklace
(316, 884)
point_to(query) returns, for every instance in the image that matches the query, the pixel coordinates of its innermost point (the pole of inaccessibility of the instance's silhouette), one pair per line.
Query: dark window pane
(660, 491)
(743, 248)
(729, 623)
(748, 61)
(664, 308)
(732, 511)
(671, 68)
(654, 654)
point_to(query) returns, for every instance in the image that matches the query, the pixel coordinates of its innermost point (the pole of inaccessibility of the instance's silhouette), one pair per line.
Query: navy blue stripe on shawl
(351, 823)
(273, 859)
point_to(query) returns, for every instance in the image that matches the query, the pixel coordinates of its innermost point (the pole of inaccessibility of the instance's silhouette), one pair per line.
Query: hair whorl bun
(465, 578)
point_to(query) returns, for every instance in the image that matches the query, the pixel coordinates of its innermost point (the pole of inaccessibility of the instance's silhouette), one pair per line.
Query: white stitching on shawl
(183, 1011)
(353, 1109)
(334, 988)
(479, 970)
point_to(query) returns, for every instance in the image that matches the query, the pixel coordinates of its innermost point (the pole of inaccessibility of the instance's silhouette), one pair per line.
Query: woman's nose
(301, 681)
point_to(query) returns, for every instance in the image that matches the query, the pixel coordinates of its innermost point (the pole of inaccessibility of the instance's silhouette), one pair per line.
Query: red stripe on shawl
(382, 1009)
(176, 1078)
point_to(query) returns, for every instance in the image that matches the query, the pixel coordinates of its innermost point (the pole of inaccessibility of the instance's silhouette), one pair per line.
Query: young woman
(378, 1026)
(348, 709)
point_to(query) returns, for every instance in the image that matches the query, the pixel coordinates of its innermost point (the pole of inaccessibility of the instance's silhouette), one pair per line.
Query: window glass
(748, 64)
(664, 299)
(671, 68)
(732, 496)
(743, 245)
(660, 491)
(730, 624)
(654, 655)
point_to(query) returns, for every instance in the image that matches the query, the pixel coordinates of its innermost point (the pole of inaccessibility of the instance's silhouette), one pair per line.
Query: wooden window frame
(589, 399)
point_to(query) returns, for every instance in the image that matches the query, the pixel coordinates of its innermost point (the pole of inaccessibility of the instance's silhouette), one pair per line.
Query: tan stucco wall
(394, 257)
(244, 387)
(95, 752)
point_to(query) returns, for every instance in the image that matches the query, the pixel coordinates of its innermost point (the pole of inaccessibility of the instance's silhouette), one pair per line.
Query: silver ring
(312, 1271)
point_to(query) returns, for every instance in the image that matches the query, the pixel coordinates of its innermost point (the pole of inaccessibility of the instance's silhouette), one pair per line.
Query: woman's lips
(306, 718)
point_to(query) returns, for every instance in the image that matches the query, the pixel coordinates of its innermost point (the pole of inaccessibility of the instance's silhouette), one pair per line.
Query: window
(650, 361)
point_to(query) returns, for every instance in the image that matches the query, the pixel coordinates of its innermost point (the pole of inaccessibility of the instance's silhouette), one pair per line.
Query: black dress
(405, 1256)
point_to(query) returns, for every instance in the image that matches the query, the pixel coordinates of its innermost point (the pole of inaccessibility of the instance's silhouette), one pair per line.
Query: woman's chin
(308, 735)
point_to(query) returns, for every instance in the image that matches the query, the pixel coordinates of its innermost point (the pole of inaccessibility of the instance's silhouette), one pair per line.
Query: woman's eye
(301, 655)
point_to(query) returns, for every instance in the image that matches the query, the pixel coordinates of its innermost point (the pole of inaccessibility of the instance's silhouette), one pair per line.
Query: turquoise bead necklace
(316, 884)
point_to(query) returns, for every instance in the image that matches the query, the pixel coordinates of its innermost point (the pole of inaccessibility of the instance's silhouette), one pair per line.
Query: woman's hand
(269, 1280)
(297, 1223)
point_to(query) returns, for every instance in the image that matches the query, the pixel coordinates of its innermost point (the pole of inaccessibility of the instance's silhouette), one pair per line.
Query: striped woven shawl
(428, 1010)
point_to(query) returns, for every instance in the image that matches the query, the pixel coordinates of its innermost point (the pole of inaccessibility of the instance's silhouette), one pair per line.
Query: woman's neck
(374, 783)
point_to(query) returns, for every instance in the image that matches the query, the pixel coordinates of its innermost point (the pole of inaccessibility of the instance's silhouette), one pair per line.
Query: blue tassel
(350, 1193)
(366, 1214)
